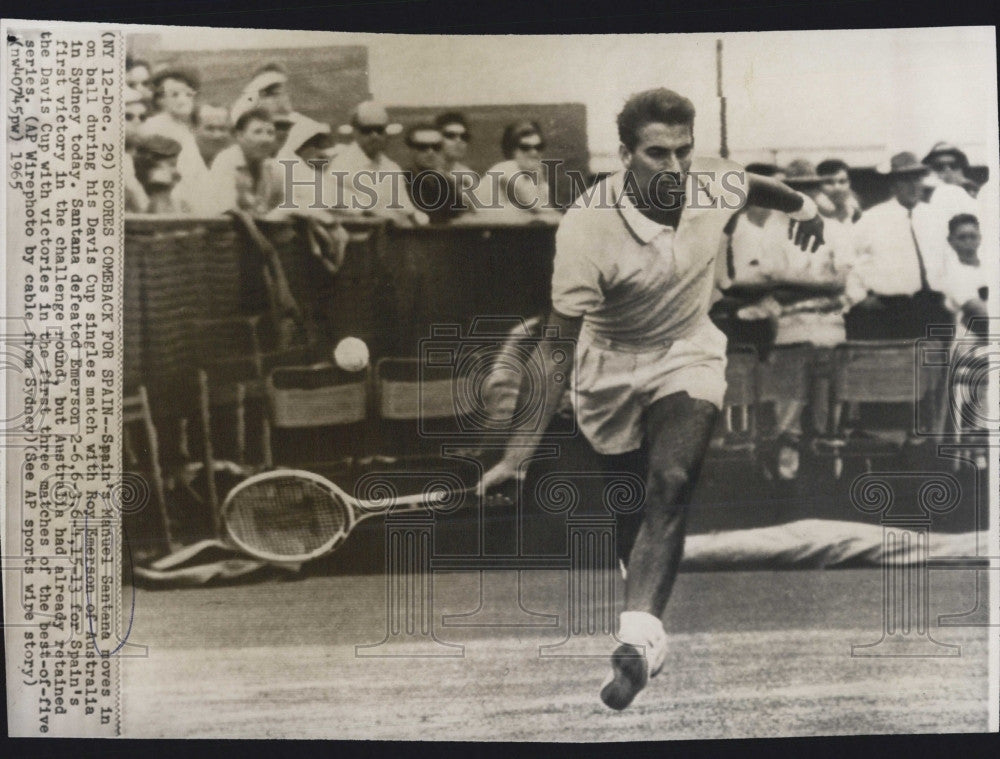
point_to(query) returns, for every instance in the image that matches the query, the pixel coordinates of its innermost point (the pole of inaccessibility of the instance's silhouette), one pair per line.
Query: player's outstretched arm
(564, 330)
(806, 228)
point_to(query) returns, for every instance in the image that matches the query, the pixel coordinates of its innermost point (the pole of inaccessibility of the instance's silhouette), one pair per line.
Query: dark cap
(159, 146)
(185, 74)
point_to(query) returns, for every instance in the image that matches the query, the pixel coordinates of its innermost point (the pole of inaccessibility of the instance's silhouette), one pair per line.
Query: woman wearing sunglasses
(520, 182)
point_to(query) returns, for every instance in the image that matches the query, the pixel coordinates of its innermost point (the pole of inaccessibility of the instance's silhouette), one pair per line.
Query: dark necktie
(924, 285)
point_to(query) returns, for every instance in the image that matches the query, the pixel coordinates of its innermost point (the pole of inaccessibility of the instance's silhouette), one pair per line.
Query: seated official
(244, 175)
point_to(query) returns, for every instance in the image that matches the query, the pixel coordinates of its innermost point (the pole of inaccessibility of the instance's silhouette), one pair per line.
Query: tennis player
(633, 277)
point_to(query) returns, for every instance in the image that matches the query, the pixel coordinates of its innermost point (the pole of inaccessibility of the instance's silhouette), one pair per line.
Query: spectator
(244, 175)
(137, 72)
(283, 123)
(363, 178)
(840, 215)
(836, 186)
(211, 130)
(804, 304)
(972, 187)
(901, 270)
(429, 188)
(455, 132)
(969, 289)
(945, 188)
(746, 255)
(784, 263)
(136, 111)
(156, 170)
(948, 163)
(269, 88)
(175, 90)
(307, 148)
(520, 182)
(971, 286)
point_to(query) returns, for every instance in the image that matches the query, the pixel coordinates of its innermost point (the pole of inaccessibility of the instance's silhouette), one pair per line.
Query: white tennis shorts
(615, 386)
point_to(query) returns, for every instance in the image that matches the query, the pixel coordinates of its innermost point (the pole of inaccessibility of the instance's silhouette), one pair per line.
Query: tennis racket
(290, 515)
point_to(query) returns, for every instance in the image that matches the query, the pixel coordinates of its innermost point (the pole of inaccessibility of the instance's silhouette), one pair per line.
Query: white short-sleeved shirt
(887, 237)
(638, 284)
(965, 283)
(359, 183)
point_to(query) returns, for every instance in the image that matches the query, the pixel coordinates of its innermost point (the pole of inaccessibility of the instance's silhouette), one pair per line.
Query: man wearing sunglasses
(946, 194)
(633, 276)
(363, 179)
(455, 135)
(429, 188)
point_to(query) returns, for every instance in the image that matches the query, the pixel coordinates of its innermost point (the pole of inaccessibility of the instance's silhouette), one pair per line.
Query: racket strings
(285, 516)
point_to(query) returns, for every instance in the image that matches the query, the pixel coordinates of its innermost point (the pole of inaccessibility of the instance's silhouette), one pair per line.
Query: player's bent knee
(664, 484)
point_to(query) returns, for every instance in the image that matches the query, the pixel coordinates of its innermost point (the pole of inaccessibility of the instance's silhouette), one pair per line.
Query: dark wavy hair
(961, 219)
(831, 166)
(659, 106)
(450, 117)
(254, 114)
(515, 132)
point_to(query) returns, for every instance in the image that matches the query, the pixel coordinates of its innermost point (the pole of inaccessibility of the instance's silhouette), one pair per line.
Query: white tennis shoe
(640, 657)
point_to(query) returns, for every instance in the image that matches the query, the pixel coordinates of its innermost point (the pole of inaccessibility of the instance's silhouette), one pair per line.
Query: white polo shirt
(640, 285)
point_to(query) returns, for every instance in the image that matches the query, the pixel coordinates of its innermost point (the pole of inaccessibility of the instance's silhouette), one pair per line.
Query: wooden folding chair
(735, 435)
(230, 357)
(135, 408)
(328, 405)
(870, 372)
(415, 407)
(785, 375)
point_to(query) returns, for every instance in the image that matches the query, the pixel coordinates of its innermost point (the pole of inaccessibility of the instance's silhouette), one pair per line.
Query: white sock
(639, 628)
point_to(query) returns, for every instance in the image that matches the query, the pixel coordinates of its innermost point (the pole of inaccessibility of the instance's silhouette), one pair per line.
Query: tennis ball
(351, 354)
